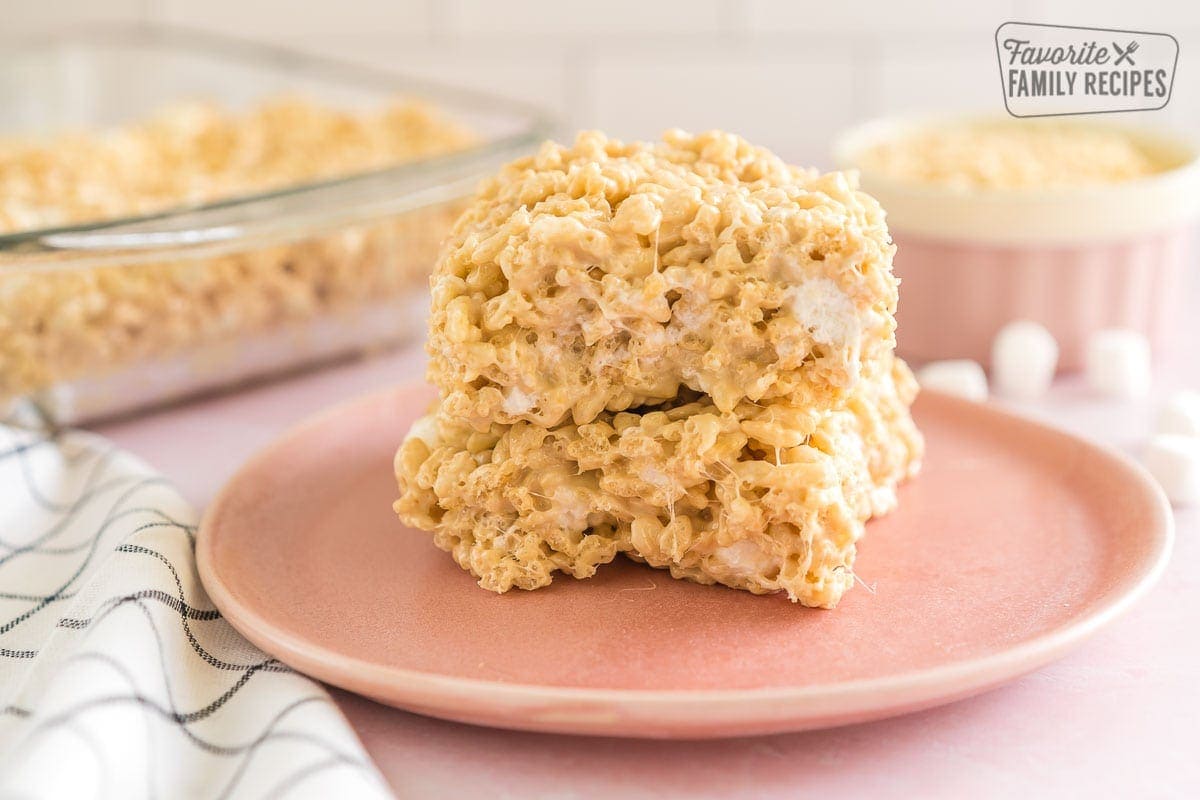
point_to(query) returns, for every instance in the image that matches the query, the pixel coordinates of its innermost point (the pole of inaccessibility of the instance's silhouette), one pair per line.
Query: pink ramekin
(1076, 260)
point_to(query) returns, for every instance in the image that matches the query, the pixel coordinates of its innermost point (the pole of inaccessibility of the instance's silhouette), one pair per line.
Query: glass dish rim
(536, 124)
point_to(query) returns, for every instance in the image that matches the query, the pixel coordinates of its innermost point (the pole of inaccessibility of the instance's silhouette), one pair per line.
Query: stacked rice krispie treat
(680, 351)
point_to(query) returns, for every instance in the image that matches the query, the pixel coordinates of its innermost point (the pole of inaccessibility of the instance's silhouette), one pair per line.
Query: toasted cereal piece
(763, 497)
(606, 276)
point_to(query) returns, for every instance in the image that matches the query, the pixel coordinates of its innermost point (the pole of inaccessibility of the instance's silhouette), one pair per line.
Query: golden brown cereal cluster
(679, 351)
(60, 324)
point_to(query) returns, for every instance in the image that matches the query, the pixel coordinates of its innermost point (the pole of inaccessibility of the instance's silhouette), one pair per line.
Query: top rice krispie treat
(605, 276)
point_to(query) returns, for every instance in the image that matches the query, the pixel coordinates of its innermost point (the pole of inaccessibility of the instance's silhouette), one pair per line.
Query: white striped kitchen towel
(118, 678)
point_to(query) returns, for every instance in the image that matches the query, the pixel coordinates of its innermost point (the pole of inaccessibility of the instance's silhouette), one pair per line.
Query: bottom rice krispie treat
(767, 497)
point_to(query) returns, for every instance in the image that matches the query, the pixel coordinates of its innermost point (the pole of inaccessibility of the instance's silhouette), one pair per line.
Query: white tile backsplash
(25, 16)
(282, 20)
(553, 19)
(790, 101)
(534, 76)
(931, 75)
(877, 20)
(785, 73)
(1159, 16)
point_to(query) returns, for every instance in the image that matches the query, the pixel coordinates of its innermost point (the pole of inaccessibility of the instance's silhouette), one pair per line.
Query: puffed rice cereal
(1011, 154)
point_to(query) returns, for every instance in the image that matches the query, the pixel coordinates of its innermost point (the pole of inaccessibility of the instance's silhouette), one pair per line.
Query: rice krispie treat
(680, 351)
(606, 276)
(764, 498)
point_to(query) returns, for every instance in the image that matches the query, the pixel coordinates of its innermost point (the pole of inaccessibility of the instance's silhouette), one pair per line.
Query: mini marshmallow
(425, 429)
(1118, 363)
(1174, 461)
(960, 377)
(1180, 415)
(1024, 358)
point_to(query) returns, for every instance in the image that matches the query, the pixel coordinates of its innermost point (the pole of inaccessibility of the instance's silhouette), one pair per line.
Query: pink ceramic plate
(1015, 543)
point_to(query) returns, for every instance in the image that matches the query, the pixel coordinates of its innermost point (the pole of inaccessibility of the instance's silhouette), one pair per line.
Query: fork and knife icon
(1125, 54)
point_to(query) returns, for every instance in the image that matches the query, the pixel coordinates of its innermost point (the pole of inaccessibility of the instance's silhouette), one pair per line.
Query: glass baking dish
(108, 317)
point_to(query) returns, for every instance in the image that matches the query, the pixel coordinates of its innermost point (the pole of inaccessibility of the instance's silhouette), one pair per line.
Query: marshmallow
(961, 377)
(1024, 358)
(1118, 363)
(1180, 415)
(425, 429)
(1174, 461)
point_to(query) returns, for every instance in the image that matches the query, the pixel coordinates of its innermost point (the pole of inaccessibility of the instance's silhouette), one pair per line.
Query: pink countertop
(1117, 718)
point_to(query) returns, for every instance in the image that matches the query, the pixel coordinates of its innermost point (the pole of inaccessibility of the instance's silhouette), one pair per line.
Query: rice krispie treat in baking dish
(60, 321)
(679, 351)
